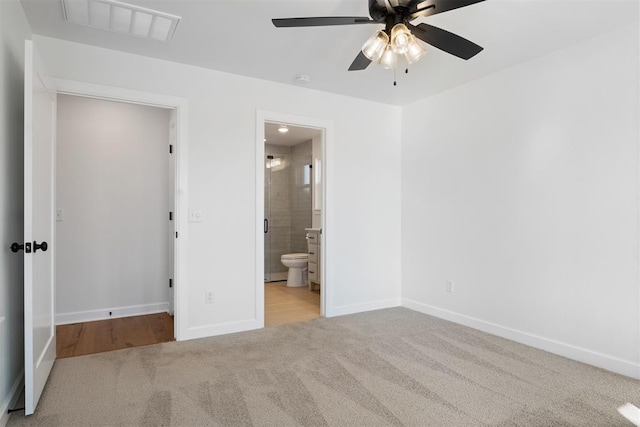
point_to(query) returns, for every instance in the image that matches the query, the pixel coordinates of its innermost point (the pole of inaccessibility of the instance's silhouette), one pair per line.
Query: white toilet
(297, 264)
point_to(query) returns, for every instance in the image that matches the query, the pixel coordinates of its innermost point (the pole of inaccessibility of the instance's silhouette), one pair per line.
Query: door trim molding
(263, 116)
(181, 106)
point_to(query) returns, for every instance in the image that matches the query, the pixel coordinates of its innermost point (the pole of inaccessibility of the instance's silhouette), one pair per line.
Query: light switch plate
(59, 215)
(195, 215)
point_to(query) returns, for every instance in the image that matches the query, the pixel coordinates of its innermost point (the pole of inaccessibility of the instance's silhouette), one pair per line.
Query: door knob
(15, 247)
(43, 246)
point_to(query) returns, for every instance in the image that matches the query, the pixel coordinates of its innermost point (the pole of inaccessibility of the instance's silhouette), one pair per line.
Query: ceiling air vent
(121, 18)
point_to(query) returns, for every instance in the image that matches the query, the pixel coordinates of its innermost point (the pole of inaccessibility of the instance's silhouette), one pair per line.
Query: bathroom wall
(300, 192)
(316, 176)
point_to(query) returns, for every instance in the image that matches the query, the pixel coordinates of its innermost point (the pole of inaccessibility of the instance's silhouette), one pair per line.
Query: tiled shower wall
(300, 193)
(287, 203)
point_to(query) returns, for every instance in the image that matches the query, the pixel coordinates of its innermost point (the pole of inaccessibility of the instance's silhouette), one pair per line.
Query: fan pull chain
(395, 77)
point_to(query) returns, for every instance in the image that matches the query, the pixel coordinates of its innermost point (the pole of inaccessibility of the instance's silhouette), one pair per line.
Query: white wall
(522, 188)
(14, 29)
(363, 180)
(113, 188)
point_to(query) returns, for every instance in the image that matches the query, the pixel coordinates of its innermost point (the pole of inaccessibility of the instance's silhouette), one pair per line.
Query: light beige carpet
(387, 367)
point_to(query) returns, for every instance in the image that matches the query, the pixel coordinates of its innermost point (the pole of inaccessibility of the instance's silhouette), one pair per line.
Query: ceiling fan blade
(425, 11)
(387, 5)
(444, 40)
(322, 21)
(360, 63)
(432, 7)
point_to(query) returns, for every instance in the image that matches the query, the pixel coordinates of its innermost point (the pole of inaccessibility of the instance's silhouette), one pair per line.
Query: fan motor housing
(380, 14)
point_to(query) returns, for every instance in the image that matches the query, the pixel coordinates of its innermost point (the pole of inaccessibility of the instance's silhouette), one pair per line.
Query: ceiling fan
(398, 36)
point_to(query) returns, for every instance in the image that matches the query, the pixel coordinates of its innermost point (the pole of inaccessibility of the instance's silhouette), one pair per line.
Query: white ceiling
(295, 136)
(237, 36)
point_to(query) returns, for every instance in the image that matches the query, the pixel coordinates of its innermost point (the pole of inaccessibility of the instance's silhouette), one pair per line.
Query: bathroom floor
(284, 305)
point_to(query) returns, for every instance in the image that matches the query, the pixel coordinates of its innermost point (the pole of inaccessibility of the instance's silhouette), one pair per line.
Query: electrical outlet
(449, 286)
(195, 215)
(208, 297)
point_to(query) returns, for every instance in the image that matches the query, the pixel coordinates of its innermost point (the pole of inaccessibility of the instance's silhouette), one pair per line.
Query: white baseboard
(251, 324)
(11, 399)
(360, 308)
(604, 361)
(110, 313)
(220, 329)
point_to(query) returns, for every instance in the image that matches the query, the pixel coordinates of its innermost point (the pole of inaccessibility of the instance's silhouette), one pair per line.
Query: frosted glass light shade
(400, 38)
(389, 58)
(375, 46)
(414, 52)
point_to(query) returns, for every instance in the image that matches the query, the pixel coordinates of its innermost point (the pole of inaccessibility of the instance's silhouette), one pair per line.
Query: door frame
(181, 106)
(326, 126)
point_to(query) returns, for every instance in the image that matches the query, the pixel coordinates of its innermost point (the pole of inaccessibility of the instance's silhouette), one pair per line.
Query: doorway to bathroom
(290, 294)
(291, 168)
(288, 196)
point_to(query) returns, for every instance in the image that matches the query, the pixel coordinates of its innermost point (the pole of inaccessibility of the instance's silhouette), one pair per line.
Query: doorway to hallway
(114, 221)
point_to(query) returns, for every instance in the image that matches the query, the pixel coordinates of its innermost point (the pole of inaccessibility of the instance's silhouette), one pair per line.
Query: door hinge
(170, 216)
(170, 149)
(176, 234)
(171, 283)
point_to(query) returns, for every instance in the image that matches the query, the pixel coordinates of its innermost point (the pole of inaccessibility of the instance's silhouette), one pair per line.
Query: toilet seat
(294, 256)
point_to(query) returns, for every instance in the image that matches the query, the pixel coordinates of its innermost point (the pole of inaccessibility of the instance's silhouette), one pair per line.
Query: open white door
(173, 135)
(39, 216)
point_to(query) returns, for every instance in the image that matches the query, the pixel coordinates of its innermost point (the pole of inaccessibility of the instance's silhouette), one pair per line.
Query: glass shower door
(277, 213)
(267, 218)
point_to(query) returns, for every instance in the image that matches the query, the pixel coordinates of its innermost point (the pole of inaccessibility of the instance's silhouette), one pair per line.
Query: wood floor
(282, 305)
(289, 305)
(113, 334)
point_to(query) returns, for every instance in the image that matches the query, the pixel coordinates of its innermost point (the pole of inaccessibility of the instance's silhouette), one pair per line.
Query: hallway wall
(112, 185)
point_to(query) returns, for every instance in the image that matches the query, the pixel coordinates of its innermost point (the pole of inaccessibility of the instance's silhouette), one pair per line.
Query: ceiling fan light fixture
(389, 58)
(384, 47)
(400, 38)
(414, 52)
(375, 46)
